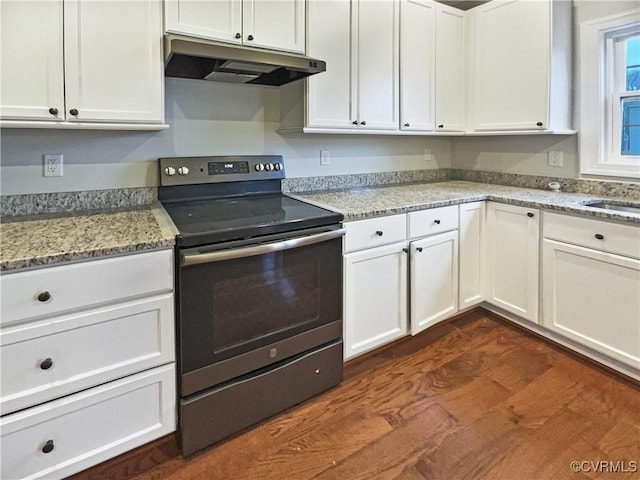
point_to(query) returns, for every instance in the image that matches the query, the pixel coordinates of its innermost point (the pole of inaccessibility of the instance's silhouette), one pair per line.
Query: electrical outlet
(325, 158)
(53, 165)
(555, 159)
(428, 156)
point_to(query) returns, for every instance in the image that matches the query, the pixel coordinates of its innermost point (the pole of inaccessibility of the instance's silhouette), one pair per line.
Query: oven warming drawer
(221, 412)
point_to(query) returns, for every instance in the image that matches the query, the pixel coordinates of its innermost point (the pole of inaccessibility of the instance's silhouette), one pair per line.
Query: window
(610, 95)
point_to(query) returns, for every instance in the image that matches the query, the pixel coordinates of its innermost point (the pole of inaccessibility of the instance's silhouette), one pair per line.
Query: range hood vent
(187, 57)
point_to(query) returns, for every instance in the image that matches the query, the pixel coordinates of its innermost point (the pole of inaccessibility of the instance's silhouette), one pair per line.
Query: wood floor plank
(472, 399)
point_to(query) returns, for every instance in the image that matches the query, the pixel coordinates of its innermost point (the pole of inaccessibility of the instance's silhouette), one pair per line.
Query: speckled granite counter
(372, 202)
(38, 241)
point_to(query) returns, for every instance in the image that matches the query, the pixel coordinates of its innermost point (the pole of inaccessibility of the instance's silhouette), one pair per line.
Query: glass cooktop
(209, 221)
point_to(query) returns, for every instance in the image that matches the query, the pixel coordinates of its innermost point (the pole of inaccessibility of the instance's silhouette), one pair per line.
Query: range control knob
(183, 170)
(268, 167)
(170, 171)
(277, 166)
(259, 167)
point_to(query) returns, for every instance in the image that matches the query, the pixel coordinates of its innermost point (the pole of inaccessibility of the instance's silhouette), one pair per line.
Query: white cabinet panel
(329, 39)
(593, 298)
(450, 71)
(63, 437)
(512, 257)
(375, 300)
(71, 287)
(375, 232)
(376, 34)
(417, 64)
(434, 280)
(45, 360)
(113, 61)
(472, 253)
(276, 24)
(511, 64)
(432, 221)
(219, 20)
(31, 56)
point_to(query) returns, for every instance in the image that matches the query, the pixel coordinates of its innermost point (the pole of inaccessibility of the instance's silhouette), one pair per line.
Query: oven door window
(234, 306)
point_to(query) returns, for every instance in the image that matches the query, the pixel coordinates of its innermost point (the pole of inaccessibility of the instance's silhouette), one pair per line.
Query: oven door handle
(220, 255)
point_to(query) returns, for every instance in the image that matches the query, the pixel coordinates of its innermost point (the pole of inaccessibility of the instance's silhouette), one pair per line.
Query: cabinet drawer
(84, 284)
(45, 360)
(596, 234)
(433, 220)
(89, 427)
(374, 232)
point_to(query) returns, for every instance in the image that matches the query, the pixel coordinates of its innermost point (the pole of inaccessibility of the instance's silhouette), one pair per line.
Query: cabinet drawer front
(434, 220)
(89, 427)
(374, 232)
(45, 360)
(84, 284)
(596, 234)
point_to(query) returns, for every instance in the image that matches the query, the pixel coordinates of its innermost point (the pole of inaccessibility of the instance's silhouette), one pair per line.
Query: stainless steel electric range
(258, 294)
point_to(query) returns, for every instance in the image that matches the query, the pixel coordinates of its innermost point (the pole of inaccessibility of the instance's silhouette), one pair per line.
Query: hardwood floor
(473, 399)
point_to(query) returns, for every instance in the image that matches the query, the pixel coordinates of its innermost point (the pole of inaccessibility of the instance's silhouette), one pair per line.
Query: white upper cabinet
(328, 93)
(520, 65)
(450, 80)
(109, 74)
(417, 64)
(219, 20)
(276, 24)
(375, 54)
(32, 60)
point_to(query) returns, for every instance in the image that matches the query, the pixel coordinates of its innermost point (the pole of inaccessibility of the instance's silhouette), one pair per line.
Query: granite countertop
(37, 241)
(362, 203)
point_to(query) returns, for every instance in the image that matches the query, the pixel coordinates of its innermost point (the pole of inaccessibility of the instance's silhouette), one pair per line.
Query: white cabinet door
(276, 24)
(329, 93)
(450, 72)
(434, 280)
(376, 36)
(593, 298)
(511, 61)
(216, 20)
(417, 61)
(31, 60)
(512, 256)
(113, 61)
(375, 298)
(472, 257)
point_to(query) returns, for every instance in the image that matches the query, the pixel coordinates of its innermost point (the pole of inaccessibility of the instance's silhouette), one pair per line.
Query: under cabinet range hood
(187, 57)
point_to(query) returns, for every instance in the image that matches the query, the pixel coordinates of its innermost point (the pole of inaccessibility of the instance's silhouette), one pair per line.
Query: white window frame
(600, 94)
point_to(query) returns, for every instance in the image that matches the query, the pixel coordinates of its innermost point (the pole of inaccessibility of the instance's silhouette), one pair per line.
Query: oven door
(243, 308)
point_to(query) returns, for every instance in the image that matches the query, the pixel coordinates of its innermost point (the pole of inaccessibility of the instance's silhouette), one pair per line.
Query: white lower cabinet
(88, 367)
(471, 253)
(434, 280)
(66, 436)
(375, 283)
(590, 295)
(512, 259)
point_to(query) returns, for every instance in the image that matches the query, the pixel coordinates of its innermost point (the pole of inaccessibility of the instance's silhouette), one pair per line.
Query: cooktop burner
(218, 199)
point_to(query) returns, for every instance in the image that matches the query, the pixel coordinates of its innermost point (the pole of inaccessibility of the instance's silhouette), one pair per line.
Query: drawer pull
(44, 297)
(379, 233)
(530, 215)
(437, 222)
(46, 364)
(405, 250)
(48, 447)
(418, 249)
(599, 236)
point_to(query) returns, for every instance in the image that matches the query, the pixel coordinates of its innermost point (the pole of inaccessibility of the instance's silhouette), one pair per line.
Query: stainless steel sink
(620, 207)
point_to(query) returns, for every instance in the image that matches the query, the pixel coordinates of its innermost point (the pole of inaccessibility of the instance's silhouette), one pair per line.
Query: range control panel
(196, 170)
